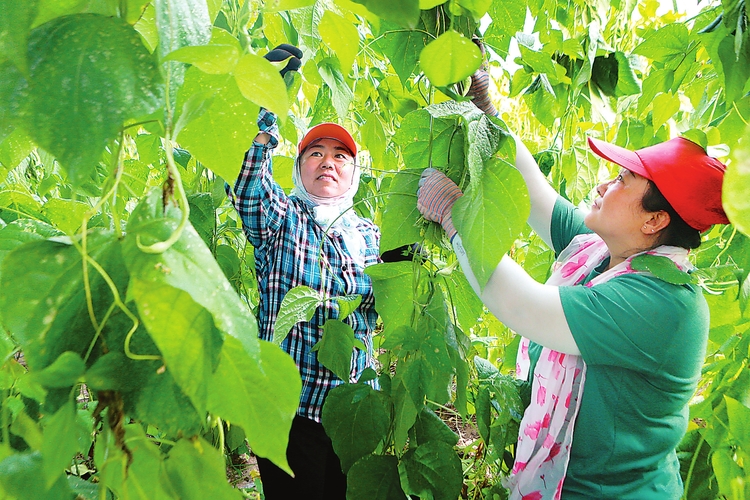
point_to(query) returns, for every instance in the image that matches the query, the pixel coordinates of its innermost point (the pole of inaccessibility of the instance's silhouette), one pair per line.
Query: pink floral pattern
(546, 432)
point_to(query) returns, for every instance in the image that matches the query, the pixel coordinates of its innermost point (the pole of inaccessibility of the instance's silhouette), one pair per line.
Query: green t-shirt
(643, 341)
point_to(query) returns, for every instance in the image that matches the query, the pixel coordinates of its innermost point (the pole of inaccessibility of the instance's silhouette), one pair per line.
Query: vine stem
(174, 173)
(689, 476)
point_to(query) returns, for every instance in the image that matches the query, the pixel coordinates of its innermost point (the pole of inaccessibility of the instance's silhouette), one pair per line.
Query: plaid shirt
(287, 240)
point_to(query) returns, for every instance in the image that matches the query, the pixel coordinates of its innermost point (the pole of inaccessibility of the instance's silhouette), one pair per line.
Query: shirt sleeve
(567, 223)
(259, 200)
(635, 322)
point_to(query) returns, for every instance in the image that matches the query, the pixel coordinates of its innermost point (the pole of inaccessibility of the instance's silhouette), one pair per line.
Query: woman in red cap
(311, 237)
(613, 355)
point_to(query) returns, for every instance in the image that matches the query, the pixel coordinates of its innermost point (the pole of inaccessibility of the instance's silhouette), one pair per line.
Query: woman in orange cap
(613, 354)
(311, 237)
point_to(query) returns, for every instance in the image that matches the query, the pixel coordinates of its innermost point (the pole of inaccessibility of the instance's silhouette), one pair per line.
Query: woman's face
(618, 212)
(326, 168)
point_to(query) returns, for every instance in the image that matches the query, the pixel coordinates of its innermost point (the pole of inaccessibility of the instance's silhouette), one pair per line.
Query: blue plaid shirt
(287, 239)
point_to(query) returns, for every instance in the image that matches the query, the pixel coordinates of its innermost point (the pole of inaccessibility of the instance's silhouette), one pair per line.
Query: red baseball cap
(328, 131)
(688, 178)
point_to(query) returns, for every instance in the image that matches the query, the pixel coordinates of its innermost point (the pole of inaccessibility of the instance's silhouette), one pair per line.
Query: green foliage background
(124, 270)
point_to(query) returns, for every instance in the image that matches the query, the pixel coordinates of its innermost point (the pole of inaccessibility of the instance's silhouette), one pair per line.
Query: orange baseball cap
(688, 178)
(328, 131)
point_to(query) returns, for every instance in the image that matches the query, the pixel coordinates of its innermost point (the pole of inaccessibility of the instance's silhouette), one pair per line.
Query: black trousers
(317, 470)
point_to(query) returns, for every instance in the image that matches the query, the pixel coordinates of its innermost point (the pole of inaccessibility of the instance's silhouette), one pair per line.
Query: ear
(656, 222)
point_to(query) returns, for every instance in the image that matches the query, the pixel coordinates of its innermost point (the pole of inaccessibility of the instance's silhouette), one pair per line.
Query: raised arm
(529, 308)
(542, 196)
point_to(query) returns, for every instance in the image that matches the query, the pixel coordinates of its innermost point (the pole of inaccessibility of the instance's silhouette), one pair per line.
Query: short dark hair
(678, 233)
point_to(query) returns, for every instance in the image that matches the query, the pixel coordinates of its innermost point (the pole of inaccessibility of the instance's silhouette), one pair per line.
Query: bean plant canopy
(130, 365)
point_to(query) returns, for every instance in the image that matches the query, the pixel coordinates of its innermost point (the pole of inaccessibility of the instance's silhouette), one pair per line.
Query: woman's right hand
(480, 84)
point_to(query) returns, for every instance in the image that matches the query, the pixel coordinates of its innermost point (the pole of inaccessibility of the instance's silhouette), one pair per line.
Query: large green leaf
(180, 23)
(183, 331)
(60, 443)
(341, 95)
(65, 371)
(427, 141)
(507, 18)
(188, 266)
(195, 471)
(229, 120)
(14, 30)
(214, 59)
(66, 215)
(402, 48)
(402, 12)
(736, 192)
(490, 216)
(71, 108)
(260, 82)
(430, 427)
(341, 36)
(450, 58)
(142, 481)
(298, 304)
(356, 418)
(374, 477)
(432, 470)
(669, 42)
(400, 215)
(42, 295)
(20, 476)
(335, 348)
(262, 398)
(394, 295)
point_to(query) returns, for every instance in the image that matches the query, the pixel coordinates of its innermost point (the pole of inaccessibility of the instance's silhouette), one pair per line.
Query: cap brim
(328, 131)
(619, 155)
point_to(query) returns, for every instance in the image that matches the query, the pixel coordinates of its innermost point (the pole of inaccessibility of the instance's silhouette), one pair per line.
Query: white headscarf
(335, 213)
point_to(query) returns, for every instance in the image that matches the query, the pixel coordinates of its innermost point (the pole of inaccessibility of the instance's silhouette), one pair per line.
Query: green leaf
(187, 265)
(20, 203)
(627, 83)
(14, 148)
(450, 58)
(259, 395)
(669, 42)
(404, 407)
(430, 427)
(63, 372)
(184, 333)
(666, 105)
(663, 268)
(347, 304)
(20, 474)
(111, 372)
(298, 304)
(402, 12)
(335, 348)
(260, 82)
(432, 470)
(468, 306)
(280, 5)
(21, 231)
(414, 138)
(374, 477)
(341, 36)
(60, 443)
(341, 95)
(659, 80)
(737, 186)
(356, 418)
(66, 215)
(229, 120)
(195, 471)
(180, 23)
(394, 296)
(214, 59)
(739, 422)
(400, 215)
(490, 216)
(507, 19)
(402, 48)
(71, 108)
(42, 298)
(14, 31)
